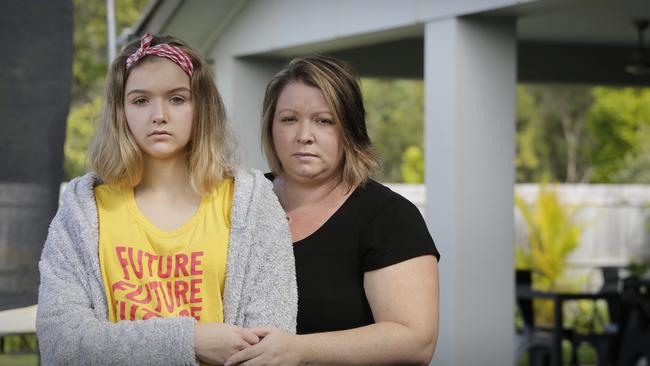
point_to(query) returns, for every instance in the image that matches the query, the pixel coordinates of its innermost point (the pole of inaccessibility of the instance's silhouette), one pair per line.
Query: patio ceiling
(589, 22)
(585, 41)
(575, 41)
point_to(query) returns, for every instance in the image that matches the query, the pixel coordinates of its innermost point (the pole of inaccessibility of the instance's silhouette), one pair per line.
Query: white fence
(614, 216)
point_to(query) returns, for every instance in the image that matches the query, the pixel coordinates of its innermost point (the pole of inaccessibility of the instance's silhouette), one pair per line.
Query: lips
(304, 155)
(160, 133)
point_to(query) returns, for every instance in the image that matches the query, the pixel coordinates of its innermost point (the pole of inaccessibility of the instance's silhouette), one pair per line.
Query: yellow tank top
(149, 272)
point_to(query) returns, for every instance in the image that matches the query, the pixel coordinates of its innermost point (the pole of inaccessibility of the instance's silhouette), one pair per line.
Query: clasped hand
(276, 347)
(225, 344)
(215, 342)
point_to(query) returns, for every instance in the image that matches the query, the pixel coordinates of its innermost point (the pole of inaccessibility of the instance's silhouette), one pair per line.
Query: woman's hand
(215, 342)
(276, 347)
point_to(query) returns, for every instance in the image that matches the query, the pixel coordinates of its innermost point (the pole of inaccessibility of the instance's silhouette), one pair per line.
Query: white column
(242, 83)
(470, 77)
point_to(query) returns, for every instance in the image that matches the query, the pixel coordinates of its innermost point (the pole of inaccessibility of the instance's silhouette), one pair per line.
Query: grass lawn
(18, 360)
(19, 350)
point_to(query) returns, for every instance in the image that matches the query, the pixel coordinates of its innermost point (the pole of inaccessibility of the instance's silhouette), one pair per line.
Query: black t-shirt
(374, 228)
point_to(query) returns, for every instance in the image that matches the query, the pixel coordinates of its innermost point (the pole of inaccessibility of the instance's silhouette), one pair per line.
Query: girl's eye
(177, 100)
(139, 101)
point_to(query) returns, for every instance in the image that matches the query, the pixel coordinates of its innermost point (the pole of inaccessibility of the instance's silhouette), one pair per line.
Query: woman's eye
(139, 101)
(324, 121)
(288, 119)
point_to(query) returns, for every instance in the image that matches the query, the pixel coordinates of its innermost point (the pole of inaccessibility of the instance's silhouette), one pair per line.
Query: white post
(242, 83)
(470, 80)
(110, 21)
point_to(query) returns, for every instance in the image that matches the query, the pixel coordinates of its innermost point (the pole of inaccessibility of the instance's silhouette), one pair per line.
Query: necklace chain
(307, 208)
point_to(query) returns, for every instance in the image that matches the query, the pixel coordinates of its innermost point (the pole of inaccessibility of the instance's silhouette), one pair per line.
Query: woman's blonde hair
(116, 157)
(341, 90)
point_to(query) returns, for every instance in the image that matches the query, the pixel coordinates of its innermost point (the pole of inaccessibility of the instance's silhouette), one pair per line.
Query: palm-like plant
(553, 233)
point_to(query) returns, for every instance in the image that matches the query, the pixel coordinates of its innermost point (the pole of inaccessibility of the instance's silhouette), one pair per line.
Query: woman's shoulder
(380, 204)
(380, 196)
(397, 226)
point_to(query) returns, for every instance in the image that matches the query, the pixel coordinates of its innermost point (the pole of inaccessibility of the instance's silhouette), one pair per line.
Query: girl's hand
(277, 347)
(215, 342)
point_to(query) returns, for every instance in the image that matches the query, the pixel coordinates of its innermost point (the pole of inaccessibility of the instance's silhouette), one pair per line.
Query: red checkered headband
(169, 51)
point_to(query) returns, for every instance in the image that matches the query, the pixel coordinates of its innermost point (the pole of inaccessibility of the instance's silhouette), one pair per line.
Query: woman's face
(159, 108)
(306, 135)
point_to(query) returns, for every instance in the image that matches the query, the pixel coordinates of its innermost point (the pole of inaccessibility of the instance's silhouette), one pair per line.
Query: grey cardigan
(72, 323)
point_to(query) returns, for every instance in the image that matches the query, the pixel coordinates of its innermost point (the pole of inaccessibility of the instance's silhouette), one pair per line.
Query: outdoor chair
(635, 340)
(535, 340)
(606, 343)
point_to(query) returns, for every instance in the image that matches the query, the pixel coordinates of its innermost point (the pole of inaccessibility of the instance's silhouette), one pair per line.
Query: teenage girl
(165, 253)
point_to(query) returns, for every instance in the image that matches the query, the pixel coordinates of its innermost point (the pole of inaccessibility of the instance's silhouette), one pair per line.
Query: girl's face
(159, 108)
(305, 134)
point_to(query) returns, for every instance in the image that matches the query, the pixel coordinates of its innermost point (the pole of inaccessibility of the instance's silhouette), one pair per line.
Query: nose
(305, 133)
(158, 112)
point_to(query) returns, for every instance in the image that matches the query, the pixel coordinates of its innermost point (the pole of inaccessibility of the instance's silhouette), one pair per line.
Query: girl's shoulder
(80, 188)
(77, 209)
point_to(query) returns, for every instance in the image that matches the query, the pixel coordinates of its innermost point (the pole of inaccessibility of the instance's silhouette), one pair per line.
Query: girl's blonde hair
(341, 90)
(116, 157)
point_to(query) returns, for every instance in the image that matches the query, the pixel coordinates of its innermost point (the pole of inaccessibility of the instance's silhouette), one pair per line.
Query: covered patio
(470, 55)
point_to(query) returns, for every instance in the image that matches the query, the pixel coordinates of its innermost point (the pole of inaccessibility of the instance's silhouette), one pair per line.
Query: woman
(365, 262)
(165, 253)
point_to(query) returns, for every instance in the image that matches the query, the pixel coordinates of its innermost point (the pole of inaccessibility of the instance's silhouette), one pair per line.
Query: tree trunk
(35, 81)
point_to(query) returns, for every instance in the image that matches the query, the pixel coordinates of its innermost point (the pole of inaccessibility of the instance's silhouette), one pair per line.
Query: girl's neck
(168, 176)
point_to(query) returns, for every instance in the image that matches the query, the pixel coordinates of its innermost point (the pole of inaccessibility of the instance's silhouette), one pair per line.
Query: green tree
(619, 122)
(89, 73)
(90, 42)
(581, 134)
(394, 115)
(636, 167)
(552, 137)
(529, 160)
(413, 165)
(80, 130)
